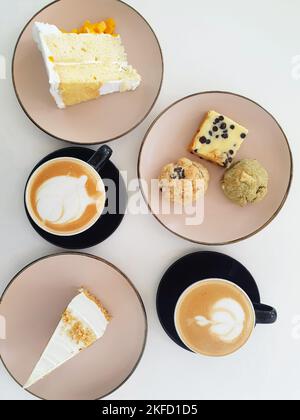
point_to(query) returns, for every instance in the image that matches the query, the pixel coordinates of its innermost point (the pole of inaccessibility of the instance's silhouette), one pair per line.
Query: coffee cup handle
(265, 314)
(99, 158)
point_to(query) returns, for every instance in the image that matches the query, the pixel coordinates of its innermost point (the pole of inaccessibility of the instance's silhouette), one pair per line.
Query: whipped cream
(61, 347)
(227, 320)
(40, 30)
(63, 199)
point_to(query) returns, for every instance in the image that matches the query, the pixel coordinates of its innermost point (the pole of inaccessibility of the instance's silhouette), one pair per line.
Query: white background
(244, 47)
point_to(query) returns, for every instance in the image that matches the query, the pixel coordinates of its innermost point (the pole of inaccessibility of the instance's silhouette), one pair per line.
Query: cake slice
(81, 325)
(218, 139)
(83, 65)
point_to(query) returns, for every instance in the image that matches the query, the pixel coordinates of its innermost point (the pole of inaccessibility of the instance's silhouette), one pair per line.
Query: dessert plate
(108, 222)
(224, 222)
(189, 270)
(108, 117)
(32, 305)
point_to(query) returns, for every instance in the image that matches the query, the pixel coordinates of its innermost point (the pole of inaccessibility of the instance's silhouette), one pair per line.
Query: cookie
(183, 181)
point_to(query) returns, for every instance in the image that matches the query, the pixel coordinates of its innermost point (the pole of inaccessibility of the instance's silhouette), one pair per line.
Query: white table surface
(243, 47)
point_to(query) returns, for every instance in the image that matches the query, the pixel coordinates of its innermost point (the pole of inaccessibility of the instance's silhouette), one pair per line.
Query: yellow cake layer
(82, 73)
(82, 82)
(72, 48)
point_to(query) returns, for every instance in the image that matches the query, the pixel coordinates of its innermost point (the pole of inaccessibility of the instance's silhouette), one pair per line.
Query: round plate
(107, 224)
(224, 222)
(191, 269)
(110, 116)
(32, 305)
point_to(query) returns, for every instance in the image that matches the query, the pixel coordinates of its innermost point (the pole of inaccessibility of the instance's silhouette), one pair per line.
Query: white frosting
(61, 347)
(227, 319)
(43, 29)
(39, 31)
(116, 86)
(63, 199)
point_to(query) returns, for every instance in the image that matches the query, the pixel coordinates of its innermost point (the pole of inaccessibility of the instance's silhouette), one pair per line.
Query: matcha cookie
(184, 181)
(246, 182)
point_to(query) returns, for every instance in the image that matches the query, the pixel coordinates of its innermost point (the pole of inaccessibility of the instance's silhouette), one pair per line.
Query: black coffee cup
(257, 314)
(94, 164)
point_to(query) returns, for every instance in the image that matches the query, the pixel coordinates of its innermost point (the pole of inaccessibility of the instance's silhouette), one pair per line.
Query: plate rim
(72, 141)
(113, 266)
(240, 239)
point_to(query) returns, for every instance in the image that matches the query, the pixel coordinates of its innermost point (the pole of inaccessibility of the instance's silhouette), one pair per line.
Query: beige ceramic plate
(106, 118)
(224, 222)
(32, 306)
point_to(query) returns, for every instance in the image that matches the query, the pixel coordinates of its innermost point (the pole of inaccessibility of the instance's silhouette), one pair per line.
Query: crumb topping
(93, 298)
(68, 318)
(77, 331)
(81, 334)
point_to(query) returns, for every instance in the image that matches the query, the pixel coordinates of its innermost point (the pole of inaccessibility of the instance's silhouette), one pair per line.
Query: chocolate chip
(217, 120)
(225, 163)
(208, 141)
(217, 136)
(243, 135)
(203, 140)
(223, 126)
(210, 133)
(221, 118)
(230, 160)
(232, 127)
(179, 172)
(231, 152)
(196, 150)
(225, 136)
(215, 128)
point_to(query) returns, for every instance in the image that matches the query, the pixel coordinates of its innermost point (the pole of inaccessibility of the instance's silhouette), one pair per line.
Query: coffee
(65, 196)
(214, 317)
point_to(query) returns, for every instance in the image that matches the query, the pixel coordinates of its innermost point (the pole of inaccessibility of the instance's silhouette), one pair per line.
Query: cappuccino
(214, 317)
(65, 196)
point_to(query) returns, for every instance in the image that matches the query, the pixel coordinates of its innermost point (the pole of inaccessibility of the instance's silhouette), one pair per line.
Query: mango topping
(107, 26)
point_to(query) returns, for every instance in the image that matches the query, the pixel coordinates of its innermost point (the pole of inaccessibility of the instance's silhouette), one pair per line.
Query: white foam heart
(227, 319)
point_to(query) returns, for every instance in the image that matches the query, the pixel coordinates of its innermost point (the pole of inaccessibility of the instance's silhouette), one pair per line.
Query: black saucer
(107, 224)
(191, 269)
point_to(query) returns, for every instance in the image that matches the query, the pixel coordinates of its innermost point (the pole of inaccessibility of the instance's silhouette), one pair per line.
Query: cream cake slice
(81, 325)
(84, 66)
(218, 139)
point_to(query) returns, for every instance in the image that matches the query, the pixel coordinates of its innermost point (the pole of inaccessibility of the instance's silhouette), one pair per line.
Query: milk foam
(63, 199)
(227, 320)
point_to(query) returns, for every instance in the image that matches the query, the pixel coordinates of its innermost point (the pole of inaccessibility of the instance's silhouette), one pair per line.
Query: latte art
(65, 196)
(214, 317)
(226, 321)
(63, 199)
